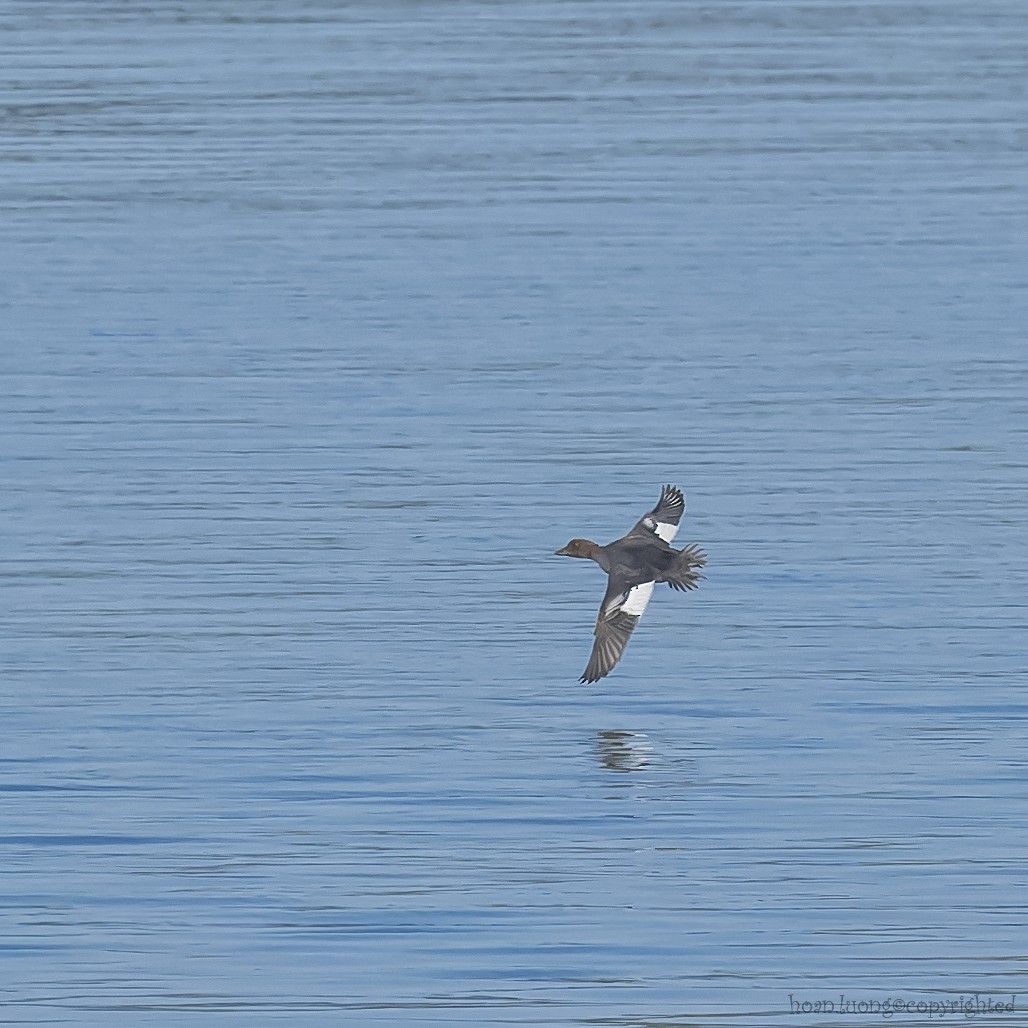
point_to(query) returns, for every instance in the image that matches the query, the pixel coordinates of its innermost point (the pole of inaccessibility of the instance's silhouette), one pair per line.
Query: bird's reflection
(619, 750)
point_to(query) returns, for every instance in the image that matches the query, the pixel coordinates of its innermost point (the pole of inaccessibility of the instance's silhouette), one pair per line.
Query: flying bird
(634, 564)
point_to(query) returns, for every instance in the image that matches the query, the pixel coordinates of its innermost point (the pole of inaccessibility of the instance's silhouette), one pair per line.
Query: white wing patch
(661, 529)
(639, 596)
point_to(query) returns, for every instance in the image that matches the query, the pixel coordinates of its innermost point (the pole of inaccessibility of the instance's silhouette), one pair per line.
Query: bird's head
(577, 548)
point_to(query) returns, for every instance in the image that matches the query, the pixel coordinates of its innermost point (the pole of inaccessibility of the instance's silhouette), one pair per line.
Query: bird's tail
(684, 573)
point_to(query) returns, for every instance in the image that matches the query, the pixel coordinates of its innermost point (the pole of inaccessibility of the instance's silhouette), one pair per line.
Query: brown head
(578, 548)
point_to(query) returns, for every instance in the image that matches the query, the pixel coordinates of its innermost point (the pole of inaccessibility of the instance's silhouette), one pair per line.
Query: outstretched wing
(619, 614)
(662, 521)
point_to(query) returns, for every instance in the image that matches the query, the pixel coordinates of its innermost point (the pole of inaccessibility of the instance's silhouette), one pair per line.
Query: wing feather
(663, 520)
(619, 614)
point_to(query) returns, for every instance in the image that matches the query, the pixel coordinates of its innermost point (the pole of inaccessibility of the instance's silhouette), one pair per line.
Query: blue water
(322, 326)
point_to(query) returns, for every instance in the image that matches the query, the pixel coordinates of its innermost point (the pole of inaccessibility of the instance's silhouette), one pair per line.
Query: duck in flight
(634, 564)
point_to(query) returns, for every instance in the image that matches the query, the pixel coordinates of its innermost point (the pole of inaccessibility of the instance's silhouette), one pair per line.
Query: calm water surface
(323, 325)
